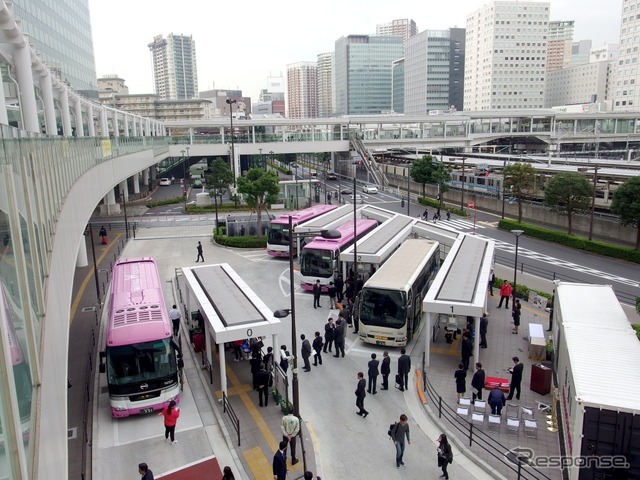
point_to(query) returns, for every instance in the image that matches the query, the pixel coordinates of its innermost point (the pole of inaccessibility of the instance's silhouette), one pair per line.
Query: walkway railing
(228, 409)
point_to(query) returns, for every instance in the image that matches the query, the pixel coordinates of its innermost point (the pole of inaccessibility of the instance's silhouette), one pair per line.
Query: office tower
(434, 71)
(324, 73)
(506, 55)
(274, 93)
(175, 75)
(302, 90)
(405, 28)
(580, 52)
(397, 86)
(626, 94)
(577, 84)
(363, 73)
(559, 43)
(63, 40)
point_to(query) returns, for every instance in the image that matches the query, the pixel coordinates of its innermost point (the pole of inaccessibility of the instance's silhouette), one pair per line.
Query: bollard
(402, 202)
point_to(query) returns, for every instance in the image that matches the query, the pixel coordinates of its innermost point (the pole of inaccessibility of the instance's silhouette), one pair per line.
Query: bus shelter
(230, 309)
(459, 289)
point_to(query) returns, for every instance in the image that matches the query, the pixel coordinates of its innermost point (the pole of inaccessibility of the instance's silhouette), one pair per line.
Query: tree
(568, 193)
(428, 170)
(218, 180)
(520, 177)
(261, 188)
(626, 204)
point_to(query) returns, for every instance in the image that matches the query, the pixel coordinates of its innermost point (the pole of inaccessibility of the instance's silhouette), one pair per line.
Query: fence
(228, 409)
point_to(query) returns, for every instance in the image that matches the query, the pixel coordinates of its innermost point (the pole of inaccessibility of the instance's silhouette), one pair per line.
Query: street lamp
(295, 177)
(408, 192)
(462, 185)
(292, 311)
(593, 201)
(233, 151)
(261, 162)
(504, 178)
(517, 233)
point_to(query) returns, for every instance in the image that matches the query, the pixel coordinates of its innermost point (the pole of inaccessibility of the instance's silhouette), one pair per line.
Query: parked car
(345, 191)
(332, 176)
(370, 189)
(165, 182)
(197, 183)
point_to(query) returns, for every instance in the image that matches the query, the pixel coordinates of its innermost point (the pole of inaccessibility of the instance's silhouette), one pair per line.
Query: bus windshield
(141, 362)
(317, 263)
(278, 234)
(383, 308)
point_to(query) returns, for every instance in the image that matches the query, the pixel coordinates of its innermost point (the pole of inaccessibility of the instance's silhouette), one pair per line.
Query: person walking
(404, 367)
(279, 464)
(170, 414)
(505, 293)
(517, 309)
(329, 330)
(466, 350)
(460, 375)
(398, 433)
(199, 250)
(306, 352)
(339, 338)
(373, 373)
(516, 378)
(290, 428)
(445, 455)
(317, 290)
(484, 323)
(477, 382)
(425, 214)
(317, 348)
(227, 474)
(331, 290)
(262, 382)
(174, 315)
(360, 394)
(492, 279)
(385, 370)
(496, 400)
(144, 471)
(448, 215)
(104, 238)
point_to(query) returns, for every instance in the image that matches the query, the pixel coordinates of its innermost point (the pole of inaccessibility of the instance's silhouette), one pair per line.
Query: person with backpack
(285, 356)
(397, 433)
(445, 455)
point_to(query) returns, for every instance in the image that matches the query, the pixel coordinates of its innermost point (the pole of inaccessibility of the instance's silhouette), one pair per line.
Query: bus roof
(346, 235)
(377, 245)
(327, 221)
(137, 310)
(302, 215)
(397, 270)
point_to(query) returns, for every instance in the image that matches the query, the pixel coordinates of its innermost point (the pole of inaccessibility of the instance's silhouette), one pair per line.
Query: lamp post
(593, 201)
(517, 233)
(184, 170)
(230, 102)
(355, 241)
(295, 177)
(408, 192)
(504, 178)
(184, 166)
(462, 185)
(261, 162)
(271, 154)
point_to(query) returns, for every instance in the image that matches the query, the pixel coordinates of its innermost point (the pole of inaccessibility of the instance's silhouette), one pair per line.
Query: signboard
(471, 204)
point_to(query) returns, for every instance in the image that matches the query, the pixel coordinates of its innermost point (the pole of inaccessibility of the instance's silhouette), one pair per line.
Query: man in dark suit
(280, 462)
(404, 367)
(516, 378)
(306, 352)
(477, 382)
(338, 337)
(466, 350)
(373, 373)
(317, 290)
(385, 370)
(262, 382)
(484, 323)
(360, 394)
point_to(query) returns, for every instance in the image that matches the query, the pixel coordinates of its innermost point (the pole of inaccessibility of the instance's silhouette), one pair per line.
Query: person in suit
(492, 279)
(385, 370)
(317, 349)
(145, 472)
(516, 378)
(461, 385)
(360, 394)
(332, 295)
(496, 400)
(339, 284)
(373, 373)
(317, 290)
(466, 350)
(484, 324)
(199, 250)
(262, 382)
(280, 462)
(329, 330)
(404, 367)
(338, 337)
(285, 356)
(477, 382)
(517, 308)
(306, 352)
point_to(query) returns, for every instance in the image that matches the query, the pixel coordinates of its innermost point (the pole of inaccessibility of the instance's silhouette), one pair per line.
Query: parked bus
(320, 258)
(390, 303)
(278, 231)
(140, 358)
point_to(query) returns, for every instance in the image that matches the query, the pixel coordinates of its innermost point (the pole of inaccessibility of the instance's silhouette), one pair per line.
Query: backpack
(392, 429)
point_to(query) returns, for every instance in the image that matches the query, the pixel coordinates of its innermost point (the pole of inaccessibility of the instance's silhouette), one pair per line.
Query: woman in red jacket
(505, 293)
(171, 414)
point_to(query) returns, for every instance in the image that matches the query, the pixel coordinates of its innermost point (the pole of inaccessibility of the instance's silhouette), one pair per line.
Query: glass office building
(61, 33)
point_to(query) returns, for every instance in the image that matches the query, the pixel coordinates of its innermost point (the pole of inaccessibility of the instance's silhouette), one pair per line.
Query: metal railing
(228, 409)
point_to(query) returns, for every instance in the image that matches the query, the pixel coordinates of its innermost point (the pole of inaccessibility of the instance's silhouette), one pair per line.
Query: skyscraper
(175, 74)
(404, 27)
(324, 73)
(506, 55)
(302, 90)
(626, 94)
(363, 73)
(62, 35)
(559, 43)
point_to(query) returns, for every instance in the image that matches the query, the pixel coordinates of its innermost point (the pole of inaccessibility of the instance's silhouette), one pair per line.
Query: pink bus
(320, 258)
(278, 231)
(140, 358)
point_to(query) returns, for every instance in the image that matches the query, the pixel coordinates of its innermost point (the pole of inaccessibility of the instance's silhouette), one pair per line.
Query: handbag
(392, 428)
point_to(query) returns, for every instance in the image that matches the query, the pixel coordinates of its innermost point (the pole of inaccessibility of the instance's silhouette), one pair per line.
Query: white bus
(390, 303)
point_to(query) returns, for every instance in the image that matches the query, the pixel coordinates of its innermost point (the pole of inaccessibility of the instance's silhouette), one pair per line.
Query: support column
(109, 205)
(126, 125)
(223, 369)
(104, 124)
(4, 117)
(65, 113)
(24, 75)
(476, 336)
(81, 258)
(114, 122)
(190, 135)
(427, 342)
(145, 177)
(77, 108)
(46, 89)
(136, 183)
(134, 126)
(90, 125)
(124, 190)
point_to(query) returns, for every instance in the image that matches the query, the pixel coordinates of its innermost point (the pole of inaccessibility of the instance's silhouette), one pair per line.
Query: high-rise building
(397, 86)
(363, 73)
(559, 42)
(302, 90)
(586, 83)
(404, 27)
(61, 32)
(434, 71)
(506, 55)
(626, 94)
(324, 72)
(580, 52)
(175, 74)
(608, 52)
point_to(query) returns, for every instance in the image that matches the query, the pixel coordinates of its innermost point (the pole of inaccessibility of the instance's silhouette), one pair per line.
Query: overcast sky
(240, 43)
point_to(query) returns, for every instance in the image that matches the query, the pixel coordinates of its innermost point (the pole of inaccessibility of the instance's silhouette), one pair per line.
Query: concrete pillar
(4, 117)
(81, 258)
(90, 125)
(77, 108)
(476, 343)
(124, 190)
(24, 75)
(190, 135)
(223, 366)
(104, 124)
(136, 183)
(126, 125)
(145, 177)
(46, 90)
(65, 113)
(134, 126)
(109, 205)
(116, 126)
(427, 341)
